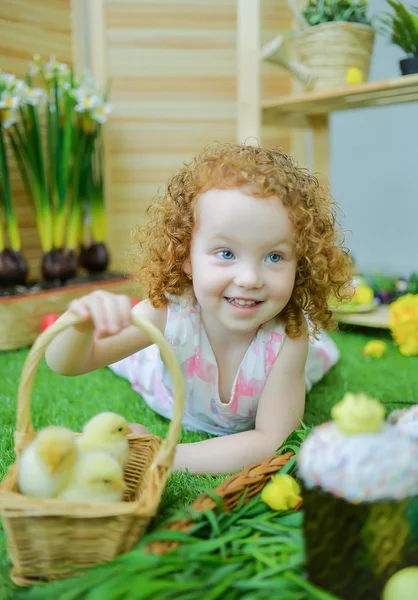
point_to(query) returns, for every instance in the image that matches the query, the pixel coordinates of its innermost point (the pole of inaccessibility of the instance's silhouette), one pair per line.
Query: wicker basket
(330, 49)
(250, 481)
(47, 538)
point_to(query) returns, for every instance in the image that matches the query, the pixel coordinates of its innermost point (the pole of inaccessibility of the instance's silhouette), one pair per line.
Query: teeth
(241, 302)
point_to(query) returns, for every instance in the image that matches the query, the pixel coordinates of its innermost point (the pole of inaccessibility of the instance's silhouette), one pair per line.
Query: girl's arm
(94, 344)
(281, 404)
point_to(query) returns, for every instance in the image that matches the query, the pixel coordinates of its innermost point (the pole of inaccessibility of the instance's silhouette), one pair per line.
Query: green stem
(57, 149)
(46, 208)
(59, 226)
(51, 155)
(76, 203)
(66, 139)
(1, 233)
(98, 208)
(31, 181)
(38, 146)
(12, 228)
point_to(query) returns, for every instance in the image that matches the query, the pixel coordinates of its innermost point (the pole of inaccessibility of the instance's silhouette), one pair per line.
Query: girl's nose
(248, 277)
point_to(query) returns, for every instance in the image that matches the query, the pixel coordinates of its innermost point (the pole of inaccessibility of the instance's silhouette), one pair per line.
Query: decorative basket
(353, 549)
(248, 482)
(330, 49)
(21, 316)
(48, 538)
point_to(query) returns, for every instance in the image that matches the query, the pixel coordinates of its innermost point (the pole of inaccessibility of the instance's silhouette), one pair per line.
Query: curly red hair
(323, 265)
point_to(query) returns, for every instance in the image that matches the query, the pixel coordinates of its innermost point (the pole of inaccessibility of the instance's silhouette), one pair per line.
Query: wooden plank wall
(172, 70)
(28, 27)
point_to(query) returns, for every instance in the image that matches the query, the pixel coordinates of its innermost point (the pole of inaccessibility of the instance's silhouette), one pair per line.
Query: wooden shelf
(379, 318)
(296, 110)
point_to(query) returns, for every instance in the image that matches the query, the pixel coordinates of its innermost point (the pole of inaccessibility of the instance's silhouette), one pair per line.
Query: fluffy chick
(97, 477)
(106, 431)
(46, 465)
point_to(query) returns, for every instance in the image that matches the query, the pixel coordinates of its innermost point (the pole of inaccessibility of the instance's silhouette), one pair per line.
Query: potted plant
(13, 266)
(53, 166)
(338, 39)
(332, 46)
(45, 160)
(401, 26)
(88, 186)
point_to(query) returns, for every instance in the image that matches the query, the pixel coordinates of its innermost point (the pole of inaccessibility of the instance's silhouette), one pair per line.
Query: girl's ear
(187, 267)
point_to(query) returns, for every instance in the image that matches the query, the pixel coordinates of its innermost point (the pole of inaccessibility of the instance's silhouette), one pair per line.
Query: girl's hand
(138, 429)
(109, 313)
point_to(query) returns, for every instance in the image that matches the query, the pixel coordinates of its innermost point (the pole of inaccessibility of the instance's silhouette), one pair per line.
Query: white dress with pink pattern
(204, 410)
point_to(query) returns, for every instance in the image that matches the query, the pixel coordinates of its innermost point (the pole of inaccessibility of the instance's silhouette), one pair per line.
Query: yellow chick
(106, 431)
(97, 477)
(282, 493)
(354, 76)
(375, 348)
(47, 464)
(357, 413)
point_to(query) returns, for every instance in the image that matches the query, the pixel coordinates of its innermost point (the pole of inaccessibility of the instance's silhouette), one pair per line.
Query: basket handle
(24, 426)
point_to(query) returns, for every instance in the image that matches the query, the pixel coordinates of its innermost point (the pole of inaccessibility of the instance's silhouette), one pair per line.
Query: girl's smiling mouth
(242, 302)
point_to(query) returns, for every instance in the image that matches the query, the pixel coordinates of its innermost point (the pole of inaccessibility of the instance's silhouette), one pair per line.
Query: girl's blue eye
(275, 258)
(226, 254)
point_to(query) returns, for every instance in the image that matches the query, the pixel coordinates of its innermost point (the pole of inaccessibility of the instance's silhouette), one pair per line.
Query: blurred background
(172, 67)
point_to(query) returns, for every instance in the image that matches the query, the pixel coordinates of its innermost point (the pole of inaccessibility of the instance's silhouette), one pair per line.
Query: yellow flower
(282, 493)
(375, 348)
(357, 413)
(403, 323)
(363, 295)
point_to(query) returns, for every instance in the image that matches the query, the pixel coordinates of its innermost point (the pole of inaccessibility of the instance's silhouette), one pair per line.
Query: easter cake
(359, 475)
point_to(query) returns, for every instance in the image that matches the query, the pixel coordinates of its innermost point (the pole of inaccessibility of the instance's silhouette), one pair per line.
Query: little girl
(239, 259)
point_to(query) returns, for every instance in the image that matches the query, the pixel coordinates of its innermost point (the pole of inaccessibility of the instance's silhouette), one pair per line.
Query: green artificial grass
(72, 401)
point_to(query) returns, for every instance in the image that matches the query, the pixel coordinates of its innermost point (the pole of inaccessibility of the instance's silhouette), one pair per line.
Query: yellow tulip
(282, 493)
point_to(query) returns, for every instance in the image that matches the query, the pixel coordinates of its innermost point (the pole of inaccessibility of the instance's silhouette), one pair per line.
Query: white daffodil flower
(7, 117)
(101, 113)
(35, 96)
(86, 103)
(8, 102)
(33, 69)
(7, 79)
(53, 68)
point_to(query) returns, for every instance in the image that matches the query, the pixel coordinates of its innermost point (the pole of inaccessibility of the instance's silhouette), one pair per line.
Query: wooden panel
(28, 27)
(275, 18)
(172, 68)
(172, 72)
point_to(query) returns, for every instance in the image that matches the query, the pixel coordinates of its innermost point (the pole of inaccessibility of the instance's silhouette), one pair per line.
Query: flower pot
(353, 549)
(21, 315)
(13, 267)
(95, 258)
(328, 50)
(409, 66)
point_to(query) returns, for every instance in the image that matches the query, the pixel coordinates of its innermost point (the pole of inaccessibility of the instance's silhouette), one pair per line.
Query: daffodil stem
(12, 228)
(75, 215)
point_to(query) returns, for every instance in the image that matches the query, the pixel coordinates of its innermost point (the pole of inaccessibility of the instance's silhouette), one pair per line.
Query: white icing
(363, 467)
